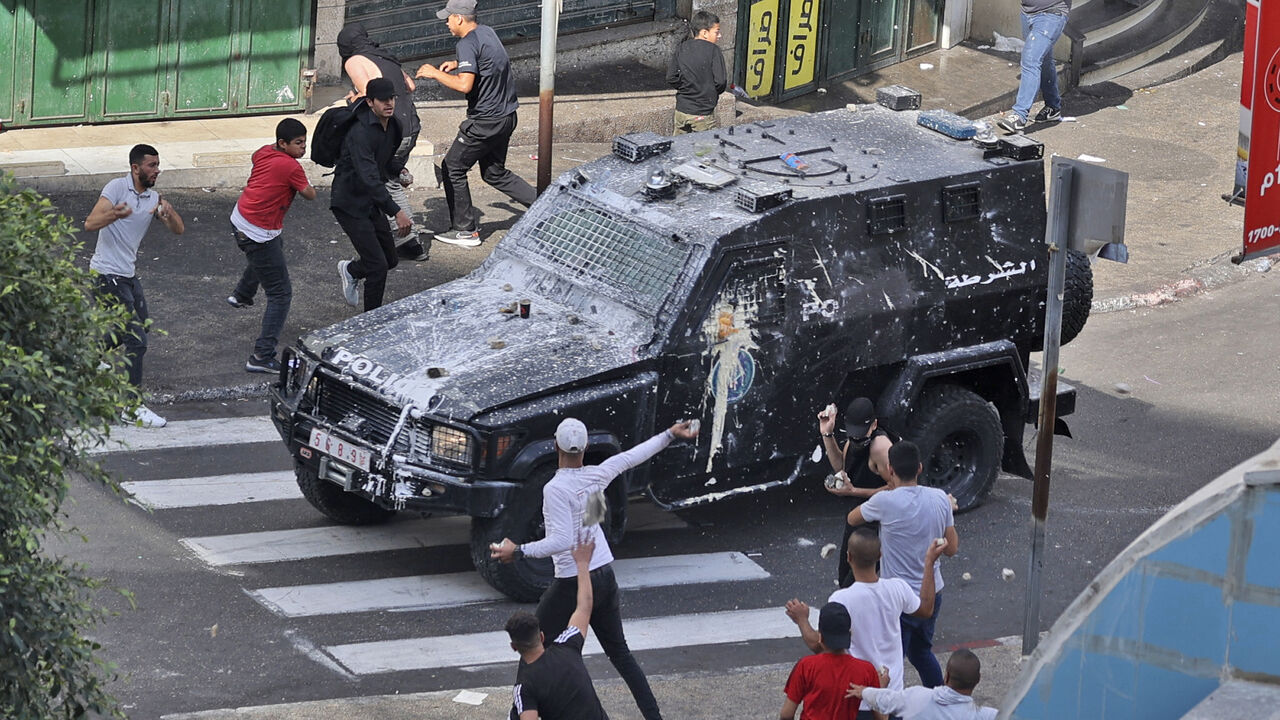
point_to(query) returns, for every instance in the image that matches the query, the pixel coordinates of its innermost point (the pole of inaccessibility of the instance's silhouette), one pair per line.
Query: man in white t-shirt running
(911, 518)
(875, 605)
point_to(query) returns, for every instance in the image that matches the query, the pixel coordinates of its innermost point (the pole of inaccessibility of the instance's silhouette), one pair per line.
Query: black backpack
(330, 132)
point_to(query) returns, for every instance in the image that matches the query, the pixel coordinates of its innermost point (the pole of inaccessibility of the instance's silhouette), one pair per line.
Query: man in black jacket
(363, 60)
(360, 201)
(697, 73)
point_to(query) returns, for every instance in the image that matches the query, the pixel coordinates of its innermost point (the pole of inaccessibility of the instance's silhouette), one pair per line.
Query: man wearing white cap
(564, 502)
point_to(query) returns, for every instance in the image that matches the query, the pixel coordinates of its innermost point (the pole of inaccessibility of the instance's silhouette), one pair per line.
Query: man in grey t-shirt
(1042, 25)
(484, 76)
(911, 519)
(121, 216)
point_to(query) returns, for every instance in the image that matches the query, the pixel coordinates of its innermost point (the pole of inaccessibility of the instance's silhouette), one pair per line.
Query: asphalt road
(1169, 398)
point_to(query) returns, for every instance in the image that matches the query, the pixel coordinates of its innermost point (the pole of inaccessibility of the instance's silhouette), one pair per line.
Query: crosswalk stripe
(190, 433)
(214, 490)
(301, 544)
(430, 592)
(493, 647)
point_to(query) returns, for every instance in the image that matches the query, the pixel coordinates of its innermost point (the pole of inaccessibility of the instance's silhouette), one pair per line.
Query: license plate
(340, 449)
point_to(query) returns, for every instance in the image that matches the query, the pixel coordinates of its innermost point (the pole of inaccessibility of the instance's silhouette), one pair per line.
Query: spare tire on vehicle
(1078, 296)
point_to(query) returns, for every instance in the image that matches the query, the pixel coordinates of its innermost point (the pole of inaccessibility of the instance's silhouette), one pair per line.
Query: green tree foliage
(54, 403)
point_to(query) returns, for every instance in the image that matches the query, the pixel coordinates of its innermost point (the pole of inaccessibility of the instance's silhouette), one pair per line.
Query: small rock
(966, 577)
(827, 550)
(436, 372)
(506, 287)
(804, 542)
(1123, 388)
(1007, 574)
(573, 319)
(496, 343)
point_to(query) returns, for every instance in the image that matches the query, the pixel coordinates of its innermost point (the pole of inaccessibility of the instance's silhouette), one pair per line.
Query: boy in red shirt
(256, 222)
(819, 682)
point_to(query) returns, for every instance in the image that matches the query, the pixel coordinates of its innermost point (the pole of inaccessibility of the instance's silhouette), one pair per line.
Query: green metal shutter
(409, 28)
(112, 60)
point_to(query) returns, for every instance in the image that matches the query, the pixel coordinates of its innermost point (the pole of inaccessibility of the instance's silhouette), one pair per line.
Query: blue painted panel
(1204, 549)
(1168, 694)
(1255, 641)
(1054, 695)
(1262, 567)
(1110, 684)
(1186, 617)
(1119, 615)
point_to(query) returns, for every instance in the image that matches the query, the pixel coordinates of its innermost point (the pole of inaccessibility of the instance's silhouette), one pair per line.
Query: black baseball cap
(380, 89)
(858, 417)
(833, 625)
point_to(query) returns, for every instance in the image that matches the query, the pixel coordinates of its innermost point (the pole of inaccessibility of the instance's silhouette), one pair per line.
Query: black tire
(961, 443)
(521, 521)
(525, 579)
(1078, 296)
(337, 504)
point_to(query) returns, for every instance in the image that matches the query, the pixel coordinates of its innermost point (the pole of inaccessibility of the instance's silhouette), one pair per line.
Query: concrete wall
(330, 17)
(1193, 602)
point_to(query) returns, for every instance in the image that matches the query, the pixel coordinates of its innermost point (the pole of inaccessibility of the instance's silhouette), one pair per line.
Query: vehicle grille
(372, 419)
(360, 413)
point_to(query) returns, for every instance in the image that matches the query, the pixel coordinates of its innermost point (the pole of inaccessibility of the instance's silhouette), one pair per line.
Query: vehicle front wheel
(335, 503)
(525, 579)
(961, 442)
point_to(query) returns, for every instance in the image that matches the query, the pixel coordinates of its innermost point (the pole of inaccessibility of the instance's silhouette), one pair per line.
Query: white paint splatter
(284, 94)
(728, 330)
(925, 265)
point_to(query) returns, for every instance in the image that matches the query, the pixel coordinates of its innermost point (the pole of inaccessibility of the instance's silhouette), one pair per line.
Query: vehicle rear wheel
(335, 503)
(525, 579)
(961, 442)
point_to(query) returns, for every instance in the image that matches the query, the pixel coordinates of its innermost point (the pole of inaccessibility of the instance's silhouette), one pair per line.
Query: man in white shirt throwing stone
(564, 502)
(911, 518)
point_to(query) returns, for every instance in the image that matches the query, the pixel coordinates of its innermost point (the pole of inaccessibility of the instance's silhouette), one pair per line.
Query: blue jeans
(917, 645)
(1040, 31)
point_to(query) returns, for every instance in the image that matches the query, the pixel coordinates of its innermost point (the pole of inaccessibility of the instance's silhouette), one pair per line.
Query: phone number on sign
(1263, 233)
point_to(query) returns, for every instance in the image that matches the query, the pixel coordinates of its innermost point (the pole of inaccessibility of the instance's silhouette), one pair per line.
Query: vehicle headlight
(450, 444)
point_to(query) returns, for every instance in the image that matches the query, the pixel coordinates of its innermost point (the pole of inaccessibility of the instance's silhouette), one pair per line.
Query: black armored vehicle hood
(613, 254)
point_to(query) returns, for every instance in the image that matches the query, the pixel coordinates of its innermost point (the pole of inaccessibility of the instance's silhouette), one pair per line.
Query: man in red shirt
(819, 682)
(256, 223)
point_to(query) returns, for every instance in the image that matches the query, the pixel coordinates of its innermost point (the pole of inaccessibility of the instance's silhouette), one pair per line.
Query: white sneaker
(143, 416)
(350, 285)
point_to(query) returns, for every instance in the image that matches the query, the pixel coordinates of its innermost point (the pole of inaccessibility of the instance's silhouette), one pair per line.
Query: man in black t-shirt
(484, 76)
(862, 463)
(552, 683)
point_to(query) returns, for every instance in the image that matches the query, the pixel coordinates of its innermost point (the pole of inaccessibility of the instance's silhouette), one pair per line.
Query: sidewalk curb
(1208, 277)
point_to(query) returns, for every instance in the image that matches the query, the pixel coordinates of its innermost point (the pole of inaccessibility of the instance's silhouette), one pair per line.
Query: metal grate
(960, 202)
(617, 257)
(759, 289)
(886, 215)
(359, 413)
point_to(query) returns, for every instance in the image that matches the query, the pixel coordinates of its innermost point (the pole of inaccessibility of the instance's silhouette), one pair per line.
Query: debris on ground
(827, 550)
(1007, 574)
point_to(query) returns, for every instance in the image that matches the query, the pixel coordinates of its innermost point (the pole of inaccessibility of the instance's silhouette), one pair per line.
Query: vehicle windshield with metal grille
(614, 257)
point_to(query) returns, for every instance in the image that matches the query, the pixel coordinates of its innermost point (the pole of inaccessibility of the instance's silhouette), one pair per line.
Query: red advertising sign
(1262, 191)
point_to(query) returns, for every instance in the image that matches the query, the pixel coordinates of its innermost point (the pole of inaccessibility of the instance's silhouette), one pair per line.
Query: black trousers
(557, 606)
(484, 142)
(371, 236)
(265, 266)
(127, 291)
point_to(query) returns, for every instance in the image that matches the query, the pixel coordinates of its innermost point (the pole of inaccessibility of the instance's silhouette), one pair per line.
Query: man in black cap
(484, 76)
(360, 201)
(821, 681)
(860, 464)
(363, 60)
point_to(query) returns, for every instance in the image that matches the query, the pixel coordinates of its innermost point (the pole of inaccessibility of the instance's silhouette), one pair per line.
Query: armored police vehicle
(745, 277)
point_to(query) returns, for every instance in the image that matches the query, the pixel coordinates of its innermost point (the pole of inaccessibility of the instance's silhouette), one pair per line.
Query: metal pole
(1059, 211)
(547, 89)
